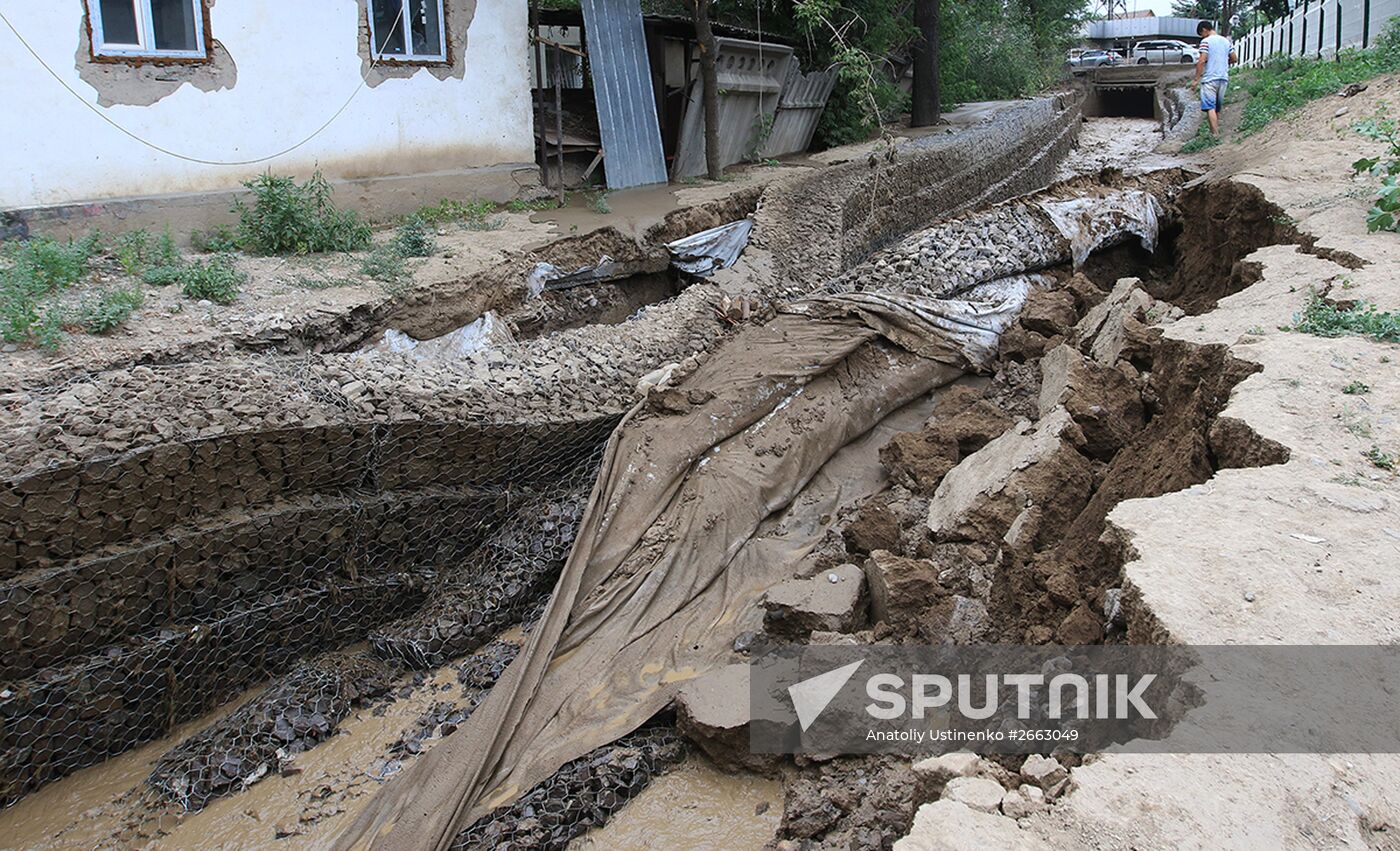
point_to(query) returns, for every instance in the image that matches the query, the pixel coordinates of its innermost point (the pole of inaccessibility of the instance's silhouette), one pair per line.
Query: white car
(1164, 51)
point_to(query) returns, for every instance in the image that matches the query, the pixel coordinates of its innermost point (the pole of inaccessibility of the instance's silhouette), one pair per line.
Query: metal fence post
(1338, 48)
(1365, 23)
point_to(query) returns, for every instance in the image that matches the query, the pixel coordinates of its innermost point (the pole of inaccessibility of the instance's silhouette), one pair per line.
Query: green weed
(1379, 458)
(415, 239)
(216, 279)
(108, 309)
(1356, 388)
(385, 264)
(287, 218)
(473, 215)
(1203, 140)
(1324, 319)
(136, 251)
(522, 206)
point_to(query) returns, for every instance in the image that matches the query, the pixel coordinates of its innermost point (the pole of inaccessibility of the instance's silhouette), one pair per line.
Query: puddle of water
(98, 806)
(693, 807)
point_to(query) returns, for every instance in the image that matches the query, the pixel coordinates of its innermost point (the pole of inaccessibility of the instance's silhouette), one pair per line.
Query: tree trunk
(926, 106)
(709, 81)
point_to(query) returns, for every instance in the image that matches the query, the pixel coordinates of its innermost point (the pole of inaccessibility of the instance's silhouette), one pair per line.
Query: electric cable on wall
(175, 154)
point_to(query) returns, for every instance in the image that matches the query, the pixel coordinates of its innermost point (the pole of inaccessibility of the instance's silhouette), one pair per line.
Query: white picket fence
(1319, 28)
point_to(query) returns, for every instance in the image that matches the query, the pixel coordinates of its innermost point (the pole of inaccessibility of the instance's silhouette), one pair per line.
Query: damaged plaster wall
(459, 14)
(144, 83)
(277, 73)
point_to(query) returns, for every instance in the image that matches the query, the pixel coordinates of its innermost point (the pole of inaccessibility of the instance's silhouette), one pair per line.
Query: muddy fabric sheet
(708, 496)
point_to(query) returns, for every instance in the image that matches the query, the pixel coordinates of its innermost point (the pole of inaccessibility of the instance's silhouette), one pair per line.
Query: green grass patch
(1357, 388)
(1281, 86)
(1378, 458)
(385, 265)
(215, 241)
(1203, 140)
(472, 215)
(1324, 319)
(32, 270)
(520, 205)
(291, 218)
(137, 251)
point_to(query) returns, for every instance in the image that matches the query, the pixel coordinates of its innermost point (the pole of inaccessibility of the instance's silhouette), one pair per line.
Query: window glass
(388, 28)
(174, 24)
(119, 22)
(425, 26)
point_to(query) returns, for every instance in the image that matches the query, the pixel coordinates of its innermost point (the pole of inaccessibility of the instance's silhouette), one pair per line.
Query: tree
(926, 105)
(709, 81)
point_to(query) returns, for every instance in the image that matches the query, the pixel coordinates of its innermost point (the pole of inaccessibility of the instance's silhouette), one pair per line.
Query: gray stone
(978, 793)
(798, 607)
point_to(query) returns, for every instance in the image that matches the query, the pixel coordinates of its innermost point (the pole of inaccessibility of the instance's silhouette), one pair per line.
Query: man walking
(1213, 71)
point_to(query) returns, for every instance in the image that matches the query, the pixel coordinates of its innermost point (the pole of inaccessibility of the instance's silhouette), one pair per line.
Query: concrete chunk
(1043, 772)
(1106, 330)
(952, 826)
(832, 601)
(713, 712)
(1025, 801)
(979, 793)
(1103, 402)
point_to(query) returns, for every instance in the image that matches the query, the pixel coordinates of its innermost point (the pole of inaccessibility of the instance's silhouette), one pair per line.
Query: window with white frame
(407, 30)
(172, 29)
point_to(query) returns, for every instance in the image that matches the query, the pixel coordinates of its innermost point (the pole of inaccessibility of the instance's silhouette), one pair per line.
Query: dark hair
(1203, 26)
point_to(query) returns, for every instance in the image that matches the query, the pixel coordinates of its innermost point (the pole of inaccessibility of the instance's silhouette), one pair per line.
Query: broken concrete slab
(978, 793)
(953, 826)
(1104, 402)
(1033, 466)
(713, 712)
(1049, 312)
(1025, 801)
(1114, 325)
(832, 601)
(1044, 773)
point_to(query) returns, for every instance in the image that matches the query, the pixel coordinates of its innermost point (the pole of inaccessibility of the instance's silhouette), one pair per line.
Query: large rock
(952, 826)
(955, 620)
(1113, 328)
(1045, 773)
(979, 793)
(919, 460)
(1104, 402)
(832, 601)
(1049, 312)
(901, 589)
(1032, 476)
(713, 712)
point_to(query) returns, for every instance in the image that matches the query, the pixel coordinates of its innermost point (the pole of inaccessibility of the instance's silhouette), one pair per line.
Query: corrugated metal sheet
(800, 107)
(617, 54)
(751, 76)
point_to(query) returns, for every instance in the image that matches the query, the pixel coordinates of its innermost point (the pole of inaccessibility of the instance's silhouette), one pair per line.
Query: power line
(177, 155)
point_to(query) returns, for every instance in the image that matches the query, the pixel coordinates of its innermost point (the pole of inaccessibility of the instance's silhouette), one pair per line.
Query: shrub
(415, 239)
(30, 271)
(216, 279)
(136, 251)
(289, 219)
(215, 241)
(163, 276)
(109, 309)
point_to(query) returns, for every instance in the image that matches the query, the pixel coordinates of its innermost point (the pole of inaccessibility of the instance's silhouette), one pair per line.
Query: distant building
(1122, 32)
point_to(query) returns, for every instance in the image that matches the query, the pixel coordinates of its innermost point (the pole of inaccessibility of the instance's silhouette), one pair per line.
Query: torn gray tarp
(547, 276)
(702, 253)
(702, 504)
(1093, 221)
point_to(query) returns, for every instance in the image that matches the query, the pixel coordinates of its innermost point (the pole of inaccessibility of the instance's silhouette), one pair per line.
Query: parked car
(1165, 51)
(1095, 59)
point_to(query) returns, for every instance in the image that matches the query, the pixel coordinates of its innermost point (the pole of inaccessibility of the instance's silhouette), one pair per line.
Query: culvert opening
(1122, 102)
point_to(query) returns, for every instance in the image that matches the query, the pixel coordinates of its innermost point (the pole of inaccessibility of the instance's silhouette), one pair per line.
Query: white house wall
(294, 64)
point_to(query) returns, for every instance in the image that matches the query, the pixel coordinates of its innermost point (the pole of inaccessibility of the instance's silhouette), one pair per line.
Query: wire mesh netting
(581, 795)
(151, 581)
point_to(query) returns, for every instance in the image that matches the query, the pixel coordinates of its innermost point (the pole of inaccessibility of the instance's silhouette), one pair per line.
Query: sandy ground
(1301, 553)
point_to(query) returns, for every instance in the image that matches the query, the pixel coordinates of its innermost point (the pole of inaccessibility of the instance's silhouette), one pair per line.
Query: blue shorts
(1213, 94)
